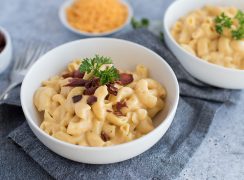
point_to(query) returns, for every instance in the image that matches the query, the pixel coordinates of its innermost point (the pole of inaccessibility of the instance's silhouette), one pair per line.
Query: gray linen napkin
(197, 107)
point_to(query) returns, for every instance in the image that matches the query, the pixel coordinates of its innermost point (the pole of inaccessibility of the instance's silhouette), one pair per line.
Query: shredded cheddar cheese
(96, 16)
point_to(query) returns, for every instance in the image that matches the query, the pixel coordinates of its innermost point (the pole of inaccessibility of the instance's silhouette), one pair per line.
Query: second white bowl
(209, 73)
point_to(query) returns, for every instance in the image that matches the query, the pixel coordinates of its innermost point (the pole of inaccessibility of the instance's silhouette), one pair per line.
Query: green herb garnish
(108, 75)
(143, 23)
(239, 32)
(93, 65)
(240, 17)
(222, 22)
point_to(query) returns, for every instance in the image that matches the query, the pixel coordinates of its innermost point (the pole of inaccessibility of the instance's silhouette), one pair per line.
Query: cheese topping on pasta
(97, 16)
(80, 108)
(212, 34)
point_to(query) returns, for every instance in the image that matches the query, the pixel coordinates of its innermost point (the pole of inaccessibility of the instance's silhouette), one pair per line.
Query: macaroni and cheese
(198, 34)
(78, 109)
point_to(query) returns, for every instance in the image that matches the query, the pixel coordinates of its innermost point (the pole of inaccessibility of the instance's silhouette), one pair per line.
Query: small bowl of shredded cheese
(95, 17)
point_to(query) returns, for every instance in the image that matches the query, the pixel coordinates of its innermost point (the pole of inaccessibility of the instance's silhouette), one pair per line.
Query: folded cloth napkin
(197, 107)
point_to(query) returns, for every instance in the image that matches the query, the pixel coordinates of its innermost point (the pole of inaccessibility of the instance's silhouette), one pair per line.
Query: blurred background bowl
(209, 73)
(63, 19)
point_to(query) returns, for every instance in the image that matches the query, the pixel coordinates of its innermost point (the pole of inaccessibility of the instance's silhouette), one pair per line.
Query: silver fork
(21, 66)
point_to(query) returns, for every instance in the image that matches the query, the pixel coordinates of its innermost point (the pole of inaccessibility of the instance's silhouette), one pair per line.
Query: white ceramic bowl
(126, 55)
(6, 54)
(63, 19)
(209, 73)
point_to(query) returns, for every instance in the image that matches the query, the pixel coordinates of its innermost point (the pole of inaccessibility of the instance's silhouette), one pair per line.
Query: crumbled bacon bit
(112, 89)
(88, 84)
(91, 100)
(118, 106)
(109, 110)
(78, 74)
(76, 98)
(104, 136)
(90, 91)
(106, 98)
(75, 82)
(91, 86)
(67, 75)
(125, 78)
(74, 74)
(92, 83)
(95, 82)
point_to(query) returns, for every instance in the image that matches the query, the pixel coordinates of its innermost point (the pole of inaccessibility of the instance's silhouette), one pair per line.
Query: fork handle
(8, 88)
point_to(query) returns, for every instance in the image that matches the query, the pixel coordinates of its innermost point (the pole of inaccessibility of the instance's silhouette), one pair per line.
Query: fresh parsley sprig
(108, 75)
(93, 65)
(240, 17)
(222, 22)
(143, 23)
(87, 65)
(239, 32)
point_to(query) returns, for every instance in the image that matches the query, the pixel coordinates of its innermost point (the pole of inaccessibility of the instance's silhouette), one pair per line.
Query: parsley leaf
(108, 75)
(93, 65)
(222, 21)
(100, 60)
(143, 23)
(238, 33)
(86, 66)
(89, 65)
(240, 17)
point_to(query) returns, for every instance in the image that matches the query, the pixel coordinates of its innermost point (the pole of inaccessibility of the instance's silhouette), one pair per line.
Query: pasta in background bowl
(200, 33)
(205, 70)
(56, 61)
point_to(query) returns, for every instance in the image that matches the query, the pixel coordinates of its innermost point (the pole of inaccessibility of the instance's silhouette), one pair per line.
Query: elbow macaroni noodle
(82, 124)
(196, 34)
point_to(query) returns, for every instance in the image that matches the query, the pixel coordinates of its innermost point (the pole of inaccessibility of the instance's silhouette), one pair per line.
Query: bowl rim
(200, 60)
(63, 19)
(106, 148)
